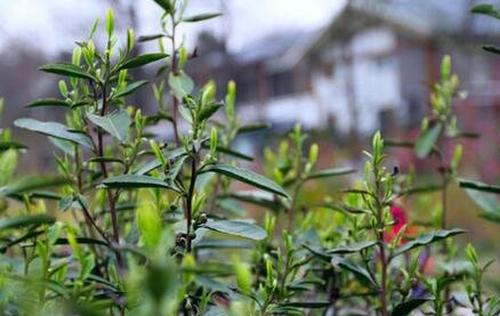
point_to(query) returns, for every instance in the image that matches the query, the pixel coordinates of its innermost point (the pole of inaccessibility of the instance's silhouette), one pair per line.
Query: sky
(54, 25)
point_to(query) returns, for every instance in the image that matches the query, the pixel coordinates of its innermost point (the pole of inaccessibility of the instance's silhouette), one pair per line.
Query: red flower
(400, 220)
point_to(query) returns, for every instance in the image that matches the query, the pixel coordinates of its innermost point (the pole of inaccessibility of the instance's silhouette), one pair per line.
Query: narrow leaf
(407, 307)
(201, 17)
(427, 239)
(237, 228)
(11, 145)
(248, 177)
(356, 269)
(142, 60)
(307, 304)
(25, 220)
(479, 186)
(115, 123)
(68, 70)
(353, 248)
(48, 102)
(131, 88)
(426, 141)
(54, 129)
(134, 181)
(333, 172)
(29, 184)
(486, 9)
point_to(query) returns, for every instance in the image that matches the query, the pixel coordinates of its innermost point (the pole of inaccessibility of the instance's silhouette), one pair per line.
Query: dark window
(247, 89)
(281, 84)
(387, 119)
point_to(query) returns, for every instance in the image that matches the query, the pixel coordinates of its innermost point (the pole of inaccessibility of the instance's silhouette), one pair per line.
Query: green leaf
(130, 181)
(333, 172)
(54, 129)
(131, 88)
(237, 228)
(307, 304)
(427, 239)
(208, 111)
(201, 17)
(248, 177)
(26, 220)
(231, 152)
(68, 70)
(492, 49)
(479, 186)
(427, 139)
(486, 9)
(487, 201)
(407, 307)
(224, 244)
(166, 5)
(115, 123)
(11, 145)
(181, 85)
(33, 183)
(353, 248)
(356, 269)
(260, 198)
(252, 128)
(48, 102)
(142, 60)
(153, 37)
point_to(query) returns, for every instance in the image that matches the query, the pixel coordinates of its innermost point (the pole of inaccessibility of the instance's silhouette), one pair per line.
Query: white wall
(376, 80)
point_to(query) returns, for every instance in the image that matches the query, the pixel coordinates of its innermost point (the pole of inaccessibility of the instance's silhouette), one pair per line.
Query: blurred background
(340, 68)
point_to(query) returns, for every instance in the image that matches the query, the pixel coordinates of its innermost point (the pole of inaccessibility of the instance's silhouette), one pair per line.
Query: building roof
(420, 18)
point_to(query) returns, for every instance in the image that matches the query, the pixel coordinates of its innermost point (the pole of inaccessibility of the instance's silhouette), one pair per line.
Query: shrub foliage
(142, 215)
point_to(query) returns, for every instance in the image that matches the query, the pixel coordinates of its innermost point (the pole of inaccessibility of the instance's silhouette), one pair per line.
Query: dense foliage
(145, 214)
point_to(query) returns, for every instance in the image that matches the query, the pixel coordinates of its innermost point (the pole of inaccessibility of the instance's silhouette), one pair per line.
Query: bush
(134, 225)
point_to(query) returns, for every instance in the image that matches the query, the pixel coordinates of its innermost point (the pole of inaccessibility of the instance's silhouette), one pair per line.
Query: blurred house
(371, 67)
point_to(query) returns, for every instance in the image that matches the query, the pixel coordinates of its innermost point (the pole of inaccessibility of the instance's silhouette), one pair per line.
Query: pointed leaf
(166, 5)
(201, 17)
(208, 111)
(153, 37)
(29, 184)
(486, 9)
(115, 123)
(426, 141)
(181, 85)
(48, 102)
(407, 307)
(479, 186)
(68, 70)
(333, 172)
(142, 60)
(352, 248)
(248, 177)
(427, 239)
(130, 181)
(54, 129)
(237, 228)
(131, 88)
(492, 49)
(307, 304)
(356, 269)
(25, 220)
(11, 145)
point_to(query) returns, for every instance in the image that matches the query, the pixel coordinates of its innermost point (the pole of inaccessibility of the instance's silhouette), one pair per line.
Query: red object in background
(400, 220)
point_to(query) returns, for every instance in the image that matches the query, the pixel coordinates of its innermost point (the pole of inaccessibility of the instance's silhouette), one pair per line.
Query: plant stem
(189, 203)
(109, 193)
(175, 71)
(383, 285)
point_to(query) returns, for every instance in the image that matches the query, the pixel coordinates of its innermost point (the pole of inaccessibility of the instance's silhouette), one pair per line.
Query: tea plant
(142, 215)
